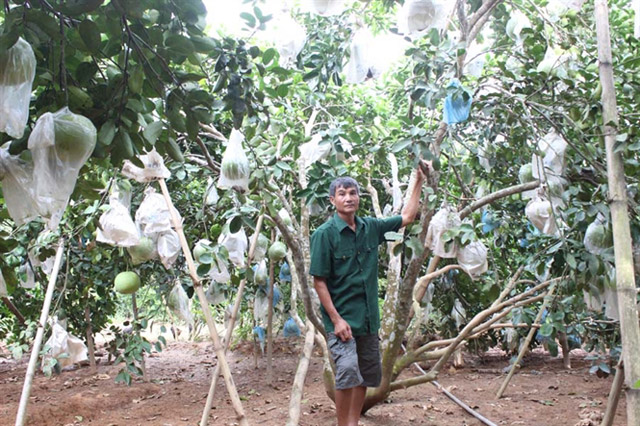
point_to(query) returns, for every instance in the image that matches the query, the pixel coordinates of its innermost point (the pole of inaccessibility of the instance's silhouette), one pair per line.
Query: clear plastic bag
(289, 38)
(18, 186)
(219, 272)
(555, 62)
(152, 216)
(313, 151)
(169, 248)
(64, 347)
(60, 144)
(261, 247)
(178, 302)
(559, 8)
(416, 17)
(260, 307)
(326, 7)
(234, 169)
(144, 251)
(598, 236)
(446, 218)
(236, 244)
(211, 196)
(116, 227)
(473, 259)
(362, 63)
(154, 168)
(17, 72)
(215, 294)
(30, 281)
(457, 104)
(540, 213)
(517, 22)
(261, 273)
(552, 165)
(458, 313)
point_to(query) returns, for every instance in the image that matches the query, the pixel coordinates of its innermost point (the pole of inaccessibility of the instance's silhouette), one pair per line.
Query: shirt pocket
(342, 261)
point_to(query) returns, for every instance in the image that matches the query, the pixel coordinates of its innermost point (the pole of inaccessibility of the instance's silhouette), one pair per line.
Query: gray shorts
(357, 361)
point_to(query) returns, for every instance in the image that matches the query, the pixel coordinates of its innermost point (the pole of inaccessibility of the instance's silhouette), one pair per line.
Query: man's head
(344, 194)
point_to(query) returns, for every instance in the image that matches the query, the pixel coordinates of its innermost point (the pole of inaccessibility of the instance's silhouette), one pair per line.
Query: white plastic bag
(326, 7)
(215, 295)
(446, 218)
(18, 186)
(418, 16)
(597, 237)
(260, 307)
(611, 309)
(540, 213)
(211, 196)
(517, 22)
(289, 38)
(3, 286)
(144, 251)
(473, 259)
(168, 247)
(236, 244)
(261, 247)
(458, 313)
(558, 8)
(555, 62)
(152, 216)
(313, 151)
(154, 168)
(261, 273)
(178, 302)
(553, 163)
(17, 71)
(234, 168)
(593, 302)
(362, 62)
(116, 227)
(30, 281)
(60, 144)
(64, 347)
(219, 272)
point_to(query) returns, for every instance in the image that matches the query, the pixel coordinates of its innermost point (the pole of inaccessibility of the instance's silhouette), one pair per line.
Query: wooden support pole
(232, 322)
(614, 395)
(301, 374)
(527, 341)
(35, 352)
(206, 309)
(270, 323)
(134, 307)
(14, 310)
(90, 341)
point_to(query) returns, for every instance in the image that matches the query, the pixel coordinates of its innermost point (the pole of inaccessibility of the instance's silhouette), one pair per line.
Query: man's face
(346, 200)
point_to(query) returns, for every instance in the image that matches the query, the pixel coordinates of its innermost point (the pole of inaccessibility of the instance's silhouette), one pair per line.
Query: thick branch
(494, 196)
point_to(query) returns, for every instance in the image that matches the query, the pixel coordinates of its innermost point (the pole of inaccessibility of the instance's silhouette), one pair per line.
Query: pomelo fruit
(127, 282)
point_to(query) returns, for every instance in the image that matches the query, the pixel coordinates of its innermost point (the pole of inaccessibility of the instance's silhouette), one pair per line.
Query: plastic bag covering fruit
(598, 236)
(261, 247)
(457, 104)
(219, 272)
(418, 16)
(178, 302)
(127, 282)
(285, 273)
(168, 247)
(362, 62)
(558, 8)
(154, 168)
(17, 186)
(261, 274)
(60, 144)
(116, 227)
(516, 23)
(473, 259)
(211, 196)
(277, 251)
(525, 174)
(66, 348)
(326, 7)
(285, 216)
(291, 328)
(289, 38)
(152, 216)
(215, 294)
(553, 146)
(3, 286)
(260, 306)
(458, 313)
(313, 151)
(555, 62)
(143, 251)
(446, 218)
(540, 213)
(17, 71)
(236, 244)
(200, 249)
(235, 165)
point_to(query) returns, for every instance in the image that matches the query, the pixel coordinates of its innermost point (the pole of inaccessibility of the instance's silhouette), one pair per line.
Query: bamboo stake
(206, 309)
(134, 307)
(90, 344)
(527, 341)
(232, 322)
(617, 197)
(614, 395)
(270, 324)
(35, 352)
(301, 373)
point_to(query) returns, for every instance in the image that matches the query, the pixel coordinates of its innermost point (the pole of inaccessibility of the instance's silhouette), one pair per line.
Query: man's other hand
(342, 329)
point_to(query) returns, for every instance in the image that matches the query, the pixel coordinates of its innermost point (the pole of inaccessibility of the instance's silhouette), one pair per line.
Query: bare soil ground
(541, 393)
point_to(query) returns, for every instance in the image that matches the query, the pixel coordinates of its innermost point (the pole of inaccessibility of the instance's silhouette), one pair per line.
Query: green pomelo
(17, 64)
(75, 137)
(599, 236)
(235, 170)
(277, 251)
(127, 282)
(526, 173)
(145, 250)
(198, 251)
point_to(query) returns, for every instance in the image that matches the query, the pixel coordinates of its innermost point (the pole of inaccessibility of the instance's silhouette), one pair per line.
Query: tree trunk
(301, 373)
(270, 324)
(90, 344)
(625, 280)
(143, 364)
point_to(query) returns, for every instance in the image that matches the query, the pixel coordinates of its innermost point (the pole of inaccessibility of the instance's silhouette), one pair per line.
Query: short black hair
(343, 182)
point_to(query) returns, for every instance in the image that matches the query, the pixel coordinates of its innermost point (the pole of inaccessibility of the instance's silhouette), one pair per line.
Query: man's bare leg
(357, 400)
(343, 405)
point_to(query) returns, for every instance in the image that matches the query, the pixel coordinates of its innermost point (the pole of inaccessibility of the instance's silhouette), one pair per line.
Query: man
(344, 265)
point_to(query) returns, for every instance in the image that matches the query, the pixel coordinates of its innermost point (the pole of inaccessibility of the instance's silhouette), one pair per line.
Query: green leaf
(179, 44)
(152, 132)
(637, 385)
(392, 236)
(268, 55)
(546, 330)
(90, 34)
(400, 145)
(249, 18)
(235, 224)
(107, 132)
(203, 269)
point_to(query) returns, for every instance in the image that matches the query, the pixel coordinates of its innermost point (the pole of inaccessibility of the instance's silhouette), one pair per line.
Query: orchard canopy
(99, 99)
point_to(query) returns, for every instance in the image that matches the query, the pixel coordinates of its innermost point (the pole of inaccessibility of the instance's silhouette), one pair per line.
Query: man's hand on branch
(425, 168)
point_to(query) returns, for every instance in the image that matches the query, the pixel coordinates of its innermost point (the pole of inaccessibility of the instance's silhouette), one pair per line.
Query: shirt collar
(341, 224)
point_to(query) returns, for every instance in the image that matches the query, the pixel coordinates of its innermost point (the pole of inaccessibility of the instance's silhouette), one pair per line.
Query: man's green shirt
(348, 261)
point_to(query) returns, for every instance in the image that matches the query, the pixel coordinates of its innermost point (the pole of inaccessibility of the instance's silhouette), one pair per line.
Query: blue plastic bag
(285, 273)
(457, 104)
(261, 333)
(291, 328)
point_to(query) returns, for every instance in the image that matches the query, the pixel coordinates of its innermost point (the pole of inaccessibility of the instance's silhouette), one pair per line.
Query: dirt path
(542, 393)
